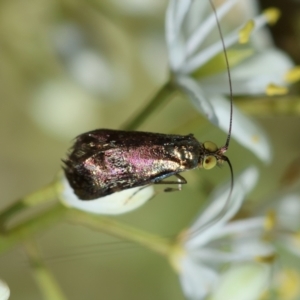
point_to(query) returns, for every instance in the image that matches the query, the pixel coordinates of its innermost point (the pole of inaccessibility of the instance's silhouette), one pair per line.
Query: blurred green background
(70, 66)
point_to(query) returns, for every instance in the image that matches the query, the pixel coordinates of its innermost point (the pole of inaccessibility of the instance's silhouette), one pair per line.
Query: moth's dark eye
(209, 162)
(210, 146)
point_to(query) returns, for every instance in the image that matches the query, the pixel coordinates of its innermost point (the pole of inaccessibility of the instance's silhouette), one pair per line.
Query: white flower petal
(247, 246)
(114, 204)
(198, 60)
(206, 27)
(208, 223)
(4, 291)
(197, 97)
(244, 282)
(197, 13)
(245, 253)
(241, 226)
(217, 256)
(253, 75)
(175, 15)
(244, 131)
(196, 280)
(251, 248)
(195, 62)
(288, 211)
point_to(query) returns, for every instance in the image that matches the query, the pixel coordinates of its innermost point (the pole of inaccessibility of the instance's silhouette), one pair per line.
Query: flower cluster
(205, 246)
(193, 54)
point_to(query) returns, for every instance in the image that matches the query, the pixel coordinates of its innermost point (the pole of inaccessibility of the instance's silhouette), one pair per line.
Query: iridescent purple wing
(105, 161)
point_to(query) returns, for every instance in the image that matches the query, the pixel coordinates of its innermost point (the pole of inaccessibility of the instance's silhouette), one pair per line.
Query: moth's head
(212, 155)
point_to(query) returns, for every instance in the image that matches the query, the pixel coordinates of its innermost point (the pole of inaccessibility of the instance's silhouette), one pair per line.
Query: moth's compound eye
(210, 146)
(209, 162)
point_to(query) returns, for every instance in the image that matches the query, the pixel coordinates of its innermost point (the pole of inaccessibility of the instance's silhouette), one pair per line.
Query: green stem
(155, 243)
(45, 194)
(31, 227)
(44, 279)
(59, 212)
(159, 99)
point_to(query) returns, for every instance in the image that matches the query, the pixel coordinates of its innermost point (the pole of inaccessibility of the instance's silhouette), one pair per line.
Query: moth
(106, 161)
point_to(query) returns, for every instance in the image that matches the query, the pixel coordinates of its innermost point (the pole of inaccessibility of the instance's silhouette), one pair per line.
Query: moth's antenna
(231, 179)
(225, 147)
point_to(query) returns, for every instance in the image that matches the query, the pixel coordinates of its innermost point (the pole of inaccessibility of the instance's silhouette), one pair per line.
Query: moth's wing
(99, 165)
(104, 161)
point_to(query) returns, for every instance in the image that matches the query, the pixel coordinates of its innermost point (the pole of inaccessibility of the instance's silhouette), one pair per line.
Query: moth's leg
(180, 180)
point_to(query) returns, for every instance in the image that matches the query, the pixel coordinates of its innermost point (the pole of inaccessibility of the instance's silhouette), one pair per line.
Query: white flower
(211, 241)
(4, 291)
(52, 102)
(87, 64)
(114, 204)
(189, 51)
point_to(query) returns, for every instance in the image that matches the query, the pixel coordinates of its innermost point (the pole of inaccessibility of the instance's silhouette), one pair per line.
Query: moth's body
(106, 161)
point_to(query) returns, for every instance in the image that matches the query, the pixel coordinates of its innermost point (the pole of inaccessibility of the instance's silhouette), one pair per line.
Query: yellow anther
(245, 32)
(272, 14)
(270, 220)
(268, 259)
(293, 75)
(274, 90)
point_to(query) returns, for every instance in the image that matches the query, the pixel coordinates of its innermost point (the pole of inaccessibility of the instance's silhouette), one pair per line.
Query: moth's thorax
(187, 156)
